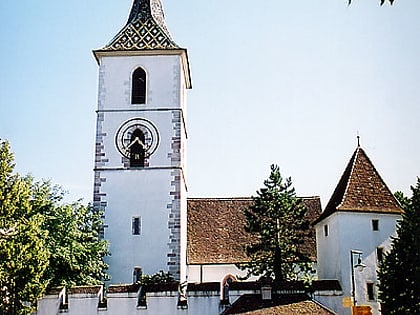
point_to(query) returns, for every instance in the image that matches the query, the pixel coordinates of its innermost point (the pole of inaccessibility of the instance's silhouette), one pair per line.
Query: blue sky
(286, 82)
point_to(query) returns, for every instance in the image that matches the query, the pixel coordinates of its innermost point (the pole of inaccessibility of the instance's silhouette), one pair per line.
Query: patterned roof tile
(361, 189)
(145, 29)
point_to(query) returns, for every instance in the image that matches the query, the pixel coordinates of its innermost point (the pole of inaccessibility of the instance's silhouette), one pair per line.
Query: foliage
(157, 278)
(76, 250)
(23, 254)
(399, 273)
(42, 240)
(277, 221)
(382, 2)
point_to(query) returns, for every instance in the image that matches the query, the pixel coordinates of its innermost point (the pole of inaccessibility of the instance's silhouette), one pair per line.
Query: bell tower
(140, 180)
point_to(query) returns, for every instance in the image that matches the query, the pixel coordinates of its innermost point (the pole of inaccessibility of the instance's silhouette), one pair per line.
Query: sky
(286, 82)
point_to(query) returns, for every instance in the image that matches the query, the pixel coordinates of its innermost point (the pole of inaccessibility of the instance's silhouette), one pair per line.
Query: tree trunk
(278, 276)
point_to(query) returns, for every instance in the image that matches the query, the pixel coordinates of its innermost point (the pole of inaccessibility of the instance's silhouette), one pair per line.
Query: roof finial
(358, 139)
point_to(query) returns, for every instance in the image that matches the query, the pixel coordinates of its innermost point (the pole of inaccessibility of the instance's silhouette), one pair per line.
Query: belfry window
(138, 87)
(137, 149)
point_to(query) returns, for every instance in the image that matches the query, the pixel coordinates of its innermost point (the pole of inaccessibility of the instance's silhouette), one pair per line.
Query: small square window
(325, 230)
(375, 225)
(370, 292)
(136, 226)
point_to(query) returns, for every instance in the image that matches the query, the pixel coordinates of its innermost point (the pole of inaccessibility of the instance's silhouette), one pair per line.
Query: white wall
(213, 273)
(353, 231)
(83, 303)
(163, 84)
(199, 303)
(156, 193)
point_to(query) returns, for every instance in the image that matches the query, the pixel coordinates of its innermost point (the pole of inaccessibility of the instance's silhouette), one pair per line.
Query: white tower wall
(156, 193)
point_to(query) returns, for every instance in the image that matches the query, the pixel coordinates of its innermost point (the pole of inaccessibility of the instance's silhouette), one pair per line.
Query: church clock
(126, 138)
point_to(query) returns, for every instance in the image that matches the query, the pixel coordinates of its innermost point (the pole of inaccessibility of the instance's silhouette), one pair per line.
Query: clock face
(124, 139)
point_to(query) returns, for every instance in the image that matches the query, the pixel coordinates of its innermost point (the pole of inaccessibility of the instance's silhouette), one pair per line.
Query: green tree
(43, 241)
(23, 254)
(76, 249)
(276, 219)
(399, 273)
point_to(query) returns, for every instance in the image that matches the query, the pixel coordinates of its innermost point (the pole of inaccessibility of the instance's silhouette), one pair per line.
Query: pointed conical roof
(361, 189)
(145, 29)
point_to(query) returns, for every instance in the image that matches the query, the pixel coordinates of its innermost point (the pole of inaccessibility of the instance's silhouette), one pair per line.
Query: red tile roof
(123, 288)
(216, 233)
(361, 189)
(279, 304)
(93, 289)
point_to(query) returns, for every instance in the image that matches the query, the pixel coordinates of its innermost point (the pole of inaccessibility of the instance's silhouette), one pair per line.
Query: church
(152, 224)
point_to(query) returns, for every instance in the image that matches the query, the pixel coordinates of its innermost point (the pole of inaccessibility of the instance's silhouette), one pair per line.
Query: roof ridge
(243, 198)
(219, 198)
(355, 155)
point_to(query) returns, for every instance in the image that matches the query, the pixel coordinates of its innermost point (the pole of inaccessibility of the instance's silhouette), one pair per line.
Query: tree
(23, 254)
(73, 240)
(43, 241)
(277, 221)
(399, 273)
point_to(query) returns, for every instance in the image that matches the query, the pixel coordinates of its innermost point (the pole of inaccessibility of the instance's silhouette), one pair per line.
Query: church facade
(151, 224)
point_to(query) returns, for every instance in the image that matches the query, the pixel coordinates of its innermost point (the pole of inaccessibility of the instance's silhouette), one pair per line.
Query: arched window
(138, 87)
(137, 149)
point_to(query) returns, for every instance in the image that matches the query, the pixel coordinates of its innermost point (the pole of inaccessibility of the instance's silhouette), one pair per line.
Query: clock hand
(137, 140)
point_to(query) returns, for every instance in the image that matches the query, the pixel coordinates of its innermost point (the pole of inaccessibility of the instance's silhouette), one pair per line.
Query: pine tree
(399, 274)
(23, 255)
(277, 221)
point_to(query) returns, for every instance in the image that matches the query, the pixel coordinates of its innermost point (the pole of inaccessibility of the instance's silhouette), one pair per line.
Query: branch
(382, 1)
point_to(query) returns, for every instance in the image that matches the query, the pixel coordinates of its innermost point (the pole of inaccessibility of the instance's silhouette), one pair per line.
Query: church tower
(141, 135)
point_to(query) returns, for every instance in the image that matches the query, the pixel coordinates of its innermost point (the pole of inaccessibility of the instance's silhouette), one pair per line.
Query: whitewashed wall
(156, 193)
(213, 273)
(353, 231)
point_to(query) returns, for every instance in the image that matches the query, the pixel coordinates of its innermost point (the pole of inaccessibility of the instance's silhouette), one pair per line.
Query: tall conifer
(277, 220)
(399, 273)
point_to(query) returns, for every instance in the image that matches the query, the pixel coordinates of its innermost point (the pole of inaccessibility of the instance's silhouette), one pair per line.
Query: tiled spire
(145, 29)
(361, 189)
